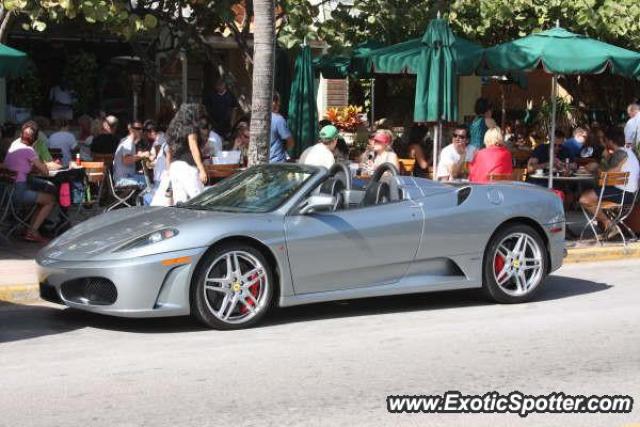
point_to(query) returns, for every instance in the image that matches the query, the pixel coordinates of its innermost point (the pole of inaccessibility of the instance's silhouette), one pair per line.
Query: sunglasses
(461, 136)
(136, 128)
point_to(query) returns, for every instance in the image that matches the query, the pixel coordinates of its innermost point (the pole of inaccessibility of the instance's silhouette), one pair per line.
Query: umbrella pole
(373, 101)
(436, 144)
(552, 136)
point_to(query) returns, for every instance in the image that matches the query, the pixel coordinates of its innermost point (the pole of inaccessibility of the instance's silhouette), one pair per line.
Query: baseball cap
(328, 133)
(382, 138)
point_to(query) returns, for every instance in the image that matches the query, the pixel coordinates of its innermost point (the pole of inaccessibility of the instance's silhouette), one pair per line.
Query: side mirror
(317, 202)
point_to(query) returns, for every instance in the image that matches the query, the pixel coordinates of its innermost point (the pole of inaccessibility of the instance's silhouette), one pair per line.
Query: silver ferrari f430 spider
(288, 234)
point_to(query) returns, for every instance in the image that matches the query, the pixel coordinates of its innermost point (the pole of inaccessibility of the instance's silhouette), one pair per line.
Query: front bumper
(146, 287)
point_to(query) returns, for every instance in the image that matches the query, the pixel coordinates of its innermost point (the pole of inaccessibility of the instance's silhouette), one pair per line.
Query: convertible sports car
(290, 234)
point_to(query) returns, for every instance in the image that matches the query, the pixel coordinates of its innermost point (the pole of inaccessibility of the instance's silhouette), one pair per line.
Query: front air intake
(90, 290)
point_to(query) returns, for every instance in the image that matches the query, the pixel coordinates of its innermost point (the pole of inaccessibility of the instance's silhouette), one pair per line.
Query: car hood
(105, 233)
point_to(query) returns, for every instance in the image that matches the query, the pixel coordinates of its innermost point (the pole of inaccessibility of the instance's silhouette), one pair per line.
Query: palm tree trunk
(5, 18)
(263, 64)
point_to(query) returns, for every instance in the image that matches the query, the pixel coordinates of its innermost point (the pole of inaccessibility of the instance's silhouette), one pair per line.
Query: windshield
(258, 189)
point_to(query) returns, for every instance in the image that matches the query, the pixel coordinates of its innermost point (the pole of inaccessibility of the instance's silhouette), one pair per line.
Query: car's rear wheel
(233, 287)
(515, 264)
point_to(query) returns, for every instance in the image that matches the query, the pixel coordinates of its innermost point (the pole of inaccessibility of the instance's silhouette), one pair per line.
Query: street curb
(602, 253)
(28, 293)
(19, 294)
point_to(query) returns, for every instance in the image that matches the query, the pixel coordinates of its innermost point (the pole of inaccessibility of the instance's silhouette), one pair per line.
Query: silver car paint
(423, 243)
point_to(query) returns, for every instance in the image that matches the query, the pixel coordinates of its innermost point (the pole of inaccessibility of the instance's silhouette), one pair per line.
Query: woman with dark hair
(414, 148)
(481, 123)
(186, 169)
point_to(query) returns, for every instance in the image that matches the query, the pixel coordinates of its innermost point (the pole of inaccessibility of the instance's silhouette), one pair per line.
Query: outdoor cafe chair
(519, 174)
(122, 196)
(520, 157)
(616, 210)
(500, 177)
(13, 215)
(217, 172)
(407, 166)
(6, 198)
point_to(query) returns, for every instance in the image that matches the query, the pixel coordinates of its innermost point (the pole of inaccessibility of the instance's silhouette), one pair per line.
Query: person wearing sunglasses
(454, 155)
(125, 158)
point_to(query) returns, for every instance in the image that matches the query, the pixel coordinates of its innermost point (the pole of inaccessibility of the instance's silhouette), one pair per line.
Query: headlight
(149, 239)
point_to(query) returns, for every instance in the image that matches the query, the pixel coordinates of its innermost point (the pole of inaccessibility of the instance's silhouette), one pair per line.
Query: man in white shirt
(632, 128)
(64, 141)
(454, 155)
(321, 154)
(125, 158)
(62, 99)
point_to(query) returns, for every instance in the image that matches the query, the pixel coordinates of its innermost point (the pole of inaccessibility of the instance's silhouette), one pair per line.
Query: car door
(352, 248)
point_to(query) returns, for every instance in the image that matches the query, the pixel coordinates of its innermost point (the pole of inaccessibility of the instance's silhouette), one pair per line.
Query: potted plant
(347, 119)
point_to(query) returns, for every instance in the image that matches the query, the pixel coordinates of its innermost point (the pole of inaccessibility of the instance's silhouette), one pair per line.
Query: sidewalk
(19, 284)
(18, 281)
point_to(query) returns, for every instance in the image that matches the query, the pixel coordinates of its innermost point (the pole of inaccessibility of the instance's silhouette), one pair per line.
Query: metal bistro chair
(616, 210)
(121, 196)
(6, 196)
(12, 215)
(407, 166)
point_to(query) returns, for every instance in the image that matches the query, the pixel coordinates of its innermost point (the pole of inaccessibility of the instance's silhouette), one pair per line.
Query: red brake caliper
(255, 290)
(498, 264)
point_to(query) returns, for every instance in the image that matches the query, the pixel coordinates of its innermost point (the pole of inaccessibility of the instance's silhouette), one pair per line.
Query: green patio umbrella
(559, 51)
(357, 64)
(303, 113)
(436, 59)
(12, 61)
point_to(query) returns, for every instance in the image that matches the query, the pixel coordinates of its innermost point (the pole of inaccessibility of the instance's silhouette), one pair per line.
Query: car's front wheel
(233, 287)
(515, 264)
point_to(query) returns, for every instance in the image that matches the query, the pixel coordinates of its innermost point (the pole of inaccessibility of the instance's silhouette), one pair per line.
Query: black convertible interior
(381, 188)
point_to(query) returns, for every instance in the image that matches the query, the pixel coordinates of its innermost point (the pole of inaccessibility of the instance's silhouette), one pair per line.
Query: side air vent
(463, 194)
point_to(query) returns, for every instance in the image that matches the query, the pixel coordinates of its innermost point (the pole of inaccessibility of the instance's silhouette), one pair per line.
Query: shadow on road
(19, 322)
(555, 287)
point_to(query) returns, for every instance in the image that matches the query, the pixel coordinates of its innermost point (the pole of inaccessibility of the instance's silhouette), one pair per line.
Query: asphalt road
(328, 364)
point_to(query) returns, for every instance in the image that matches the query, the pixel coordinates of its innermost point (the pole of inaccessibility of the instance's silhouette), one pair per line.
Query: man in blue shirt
(281, 138)
(540, 157)
(574, 145)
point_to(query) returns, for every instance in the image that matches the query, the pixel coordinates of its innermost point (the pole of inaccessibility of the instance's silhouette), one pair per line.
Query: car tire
(515, 264)
(247, 297)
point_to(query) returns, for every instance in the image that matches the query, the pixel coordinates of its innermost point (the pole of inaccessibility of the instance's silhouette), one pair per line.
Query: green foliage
(497, 21)
(565, 115)
(112, 14)
(487, 21)
(26, 91)
(386, 21)
(80, 75)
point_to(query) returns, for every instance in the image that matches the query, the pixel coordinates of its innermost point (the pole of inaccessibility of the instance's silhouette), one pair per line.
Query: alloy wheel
(518, 265)
(235, 288)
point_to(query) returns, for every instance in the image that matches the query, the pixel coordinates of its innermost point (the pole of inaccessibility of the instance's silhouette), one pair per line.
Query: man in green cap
(321, 154)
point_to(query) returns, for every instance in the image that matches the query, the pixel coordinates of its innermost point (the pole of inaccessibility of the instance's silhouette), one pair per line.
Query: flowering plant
(347, 119)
